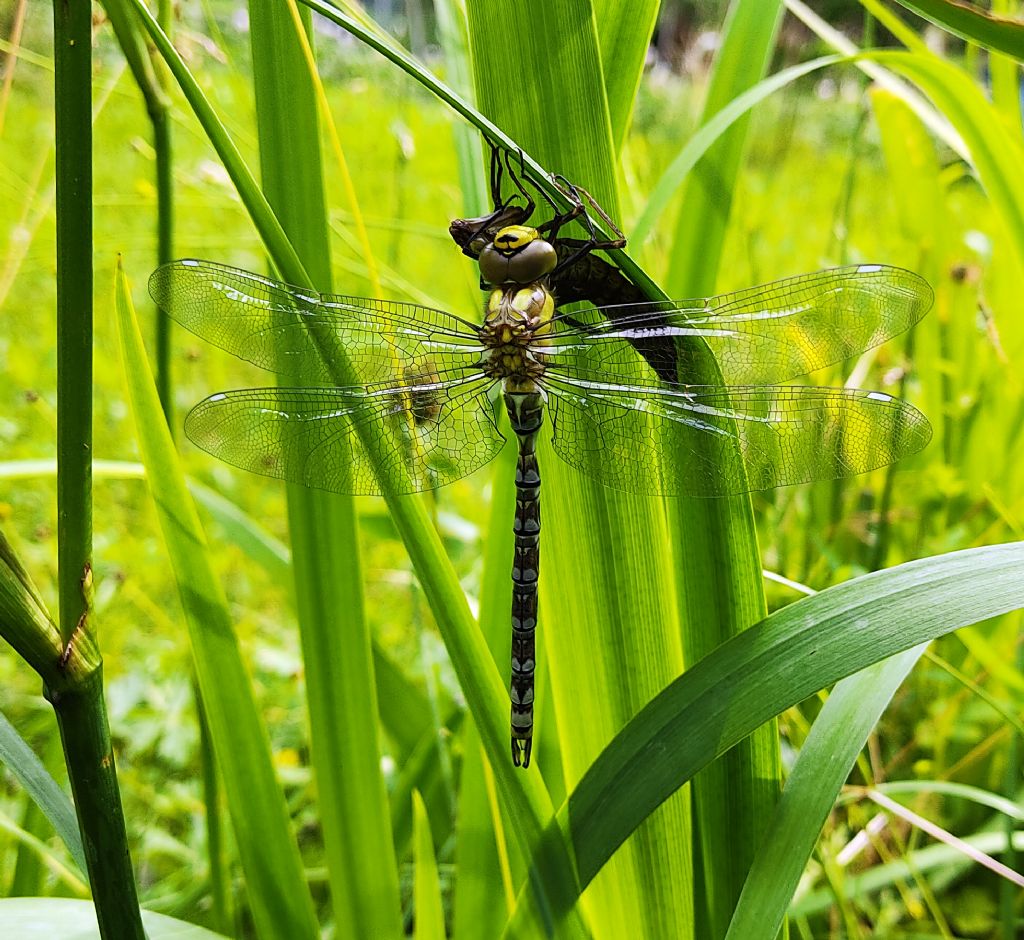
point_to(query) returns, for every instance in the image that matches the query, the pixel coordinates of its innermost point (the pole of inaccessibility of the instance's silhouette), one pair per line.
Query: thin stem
(74, 684)
(72, 60)
(84, 731)
(165, 251)
(157, 105)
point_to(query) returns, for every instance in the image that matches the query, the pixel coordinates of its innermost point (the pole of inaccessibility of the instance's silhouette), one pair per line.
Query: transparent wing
(345, 440)
(760, 336)
(677, 443)
(306, 335)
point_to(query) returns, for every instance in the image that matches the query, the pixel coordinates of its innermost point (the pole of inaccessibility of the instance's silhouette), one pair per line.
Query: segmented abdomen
(526, 414)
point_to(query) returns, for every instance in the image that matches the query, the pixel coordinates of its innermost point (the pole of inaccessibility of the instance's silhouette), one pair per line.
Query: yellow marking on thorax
(516, 317)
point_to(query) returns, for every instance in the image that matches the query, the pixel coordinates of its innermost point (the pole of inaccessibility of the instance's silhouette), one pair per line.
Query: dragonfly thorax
(515, 318)
(518, 255)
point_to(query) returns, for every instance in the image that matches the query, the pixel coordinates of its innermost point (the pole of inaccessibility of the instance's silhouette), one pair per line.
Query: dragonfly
(392, 397)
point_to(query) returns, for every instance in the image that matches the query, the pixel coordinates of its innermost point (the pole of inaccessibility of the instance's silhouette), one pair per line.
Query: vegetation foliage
(306, 694)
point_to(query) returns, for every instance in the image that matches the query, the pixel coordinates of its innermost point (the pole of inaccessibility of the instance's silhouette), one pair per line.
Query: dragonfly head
(517, 255)
(474, 235)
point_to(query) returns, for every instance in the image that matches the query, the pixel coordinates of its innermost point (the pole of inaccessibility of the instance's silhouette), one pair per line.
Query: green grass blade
(426, 889)
(625, 31)
(995, 153)
(741, 62)
(340, 688)
(718, 578)
(934, 121)
(1000, 34)
(766, 669)
(919, 193)
(276, 884)
(708, 134)
(837, 737)
(607, 621)
(22, 763)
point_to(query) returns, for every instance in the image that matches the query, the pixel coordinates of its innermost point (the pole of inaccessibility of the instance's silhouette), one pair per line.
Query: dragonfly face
(517, 255)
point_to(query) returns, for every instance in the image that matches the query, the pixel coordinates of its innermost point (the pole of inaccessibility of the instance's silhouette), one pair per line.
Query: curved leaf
(21, 762)
(996, 155)
(837, 737)
(28, 918)
(998, 33)
(773, 665)
(709, 133)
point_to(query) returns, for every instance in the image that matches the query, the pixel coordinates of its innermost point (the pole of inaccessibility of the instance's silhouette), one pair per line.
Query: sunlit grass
(789, 217)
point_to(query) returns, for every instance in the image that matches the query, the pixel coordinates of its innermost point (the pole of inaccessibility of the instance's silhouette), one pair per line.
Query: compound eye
(493, 266)
(518, 255)
(531, 263)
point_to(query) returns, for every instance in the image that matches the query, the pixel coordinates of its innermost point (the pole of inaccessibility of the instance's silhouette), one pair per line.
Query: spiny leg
(472, 235)
(581, 247)
(577, 195)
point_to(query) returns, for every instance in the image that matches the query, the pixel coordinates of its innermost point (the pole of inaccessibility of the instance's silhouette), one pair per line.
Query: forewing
(759, 336)
(346, 440)
(309, 336)
(681, 443)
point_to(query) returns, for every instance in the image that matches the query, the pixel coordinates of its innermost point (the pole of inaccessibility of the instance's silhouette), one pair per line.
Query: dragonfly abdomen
(526, 413)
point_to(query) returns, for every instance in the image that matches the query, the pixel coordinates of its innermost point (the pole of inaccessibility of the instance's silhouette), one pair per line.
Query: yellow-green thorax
(520, 306)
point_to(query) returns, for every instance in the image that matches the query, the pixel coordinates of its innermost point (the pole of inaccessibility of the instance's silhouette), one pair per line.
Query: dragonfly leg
(472, 235)
(580, 247)
(577, 194)
(516, 182)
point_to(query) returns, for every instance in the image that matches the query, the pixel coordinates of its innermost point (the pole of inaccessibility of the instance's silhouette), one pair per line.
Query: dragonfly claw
(521, 750)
